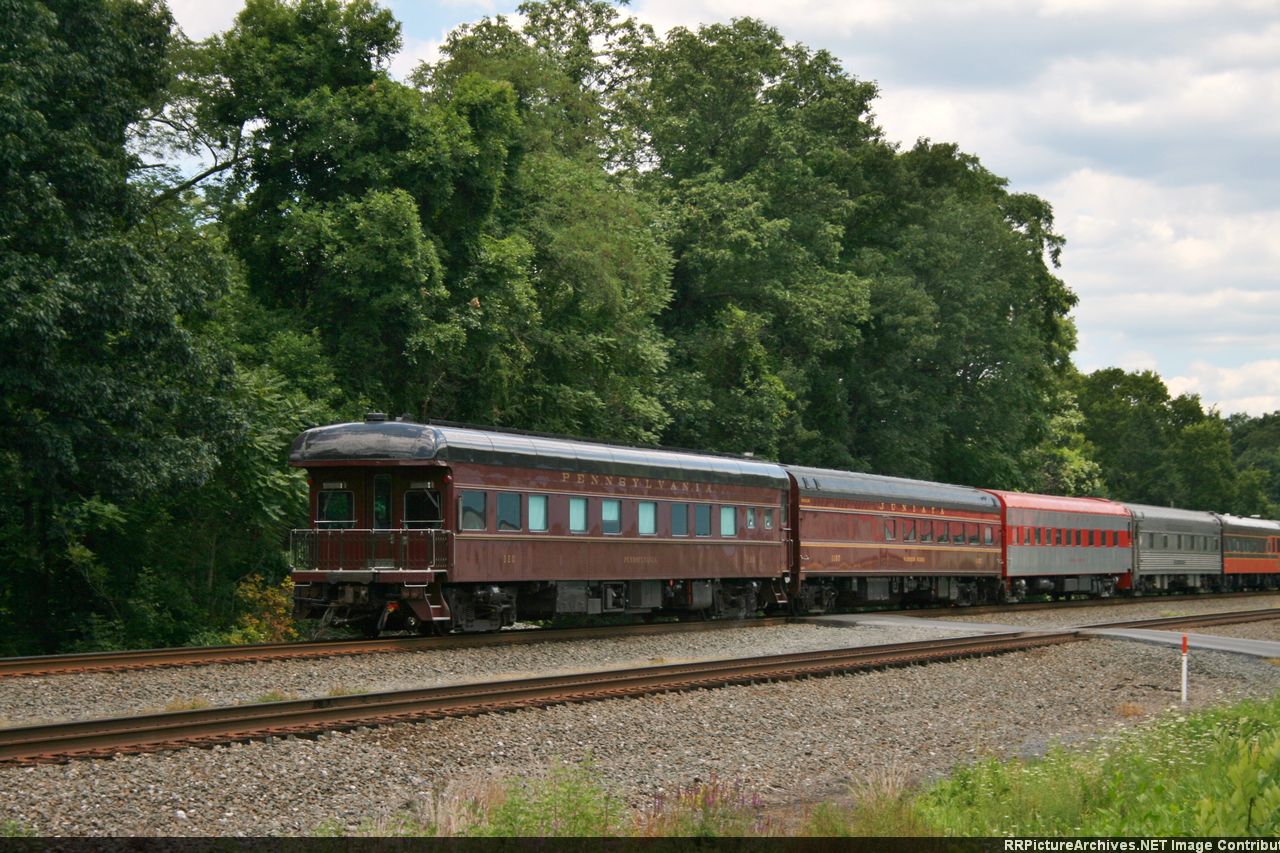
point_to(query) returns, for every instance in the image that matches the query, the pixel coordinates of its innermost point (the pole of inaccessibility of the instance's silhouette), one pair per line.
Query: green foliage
(711, 809)
(13, 829)
(566, 224)
(1168, 451)
(568, 802)
(1210, 774)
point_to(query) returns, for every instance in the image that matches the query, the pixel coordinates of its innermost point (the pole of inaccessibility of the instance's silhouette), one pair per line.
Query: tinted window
(908, 526)
(472, 510)
(422, 509)
(679, 519)
(890, 529)
(972, 531)
(926, 531)
(702, 520)
(537, 512)
(957, 533)
(509, 511)
(647, 517)
(335, 510)
(381, 502)
(611, 515)
(988, 538)
(577, 515)
(728, 521)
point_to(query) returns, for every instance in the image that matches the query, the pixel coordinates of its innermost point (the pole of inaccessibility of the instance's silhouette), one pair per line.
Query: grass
(1215, 773)
(13, 829)
(193, 704)
(273, 696)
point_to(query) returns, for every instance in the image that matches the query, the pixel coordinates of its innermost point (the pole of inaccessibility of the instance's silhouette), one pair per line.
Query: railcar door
(423, 510)
(382, 551)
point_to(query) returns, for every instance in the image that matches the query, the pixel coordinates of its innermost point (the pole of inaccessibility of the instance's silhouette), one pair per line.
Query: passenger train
(437, 528)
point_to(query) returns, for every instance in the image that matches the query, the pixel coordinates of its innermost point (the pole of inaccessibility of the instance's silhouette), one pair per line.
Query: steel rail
(204, 727)
(83, 662)
(1199, 619)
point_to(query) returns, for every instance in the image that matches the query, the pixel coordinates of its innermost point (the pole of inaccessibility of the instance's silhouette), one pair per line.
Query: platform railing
(339, 549)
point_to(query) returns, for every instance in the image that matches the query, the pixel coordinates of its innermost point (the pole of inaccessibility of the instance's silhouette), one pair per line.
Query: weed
(193, 704)
(13, 829)
(1130, 710)
(710, 809)
(273, 696)
(339, 690)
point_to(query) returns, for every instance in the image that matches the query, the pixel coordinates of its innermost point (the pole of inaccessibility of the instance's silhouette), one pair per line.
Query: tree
(105, 392)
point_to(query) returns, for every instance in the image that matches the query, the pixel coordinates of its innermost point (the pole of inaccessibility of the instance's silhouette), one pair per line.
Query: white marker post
(1184, 669)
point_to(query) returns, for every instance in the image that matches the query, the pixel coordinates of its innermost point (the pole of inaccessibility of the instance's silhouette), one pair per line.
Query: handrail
(349, 549)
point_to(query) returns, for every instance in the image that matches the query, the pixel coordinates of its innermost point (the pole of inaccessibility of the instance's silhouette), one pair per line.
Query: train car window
(422, 510)
(908, 527)
(577, 515)
(611, 515)
(957, 533)
(702, 519)
(538, 513)
(940, 532)
(988, 538)
(751, 518)
(335, 510)
(926, 531)
(768, 519)
(679, 519)
(509, 511)
(728, 521)
(647, 518)
(1151, 540)
(473, 510)
(971, 531)
(1217, 543)
(1164, 541)
(381, 502)
(890, 530)
(1057, 536)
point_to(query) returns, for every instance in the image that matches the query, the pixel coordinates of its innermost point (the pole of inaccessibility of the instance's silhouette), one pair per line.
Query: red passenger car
(1250, 552)
(1062, 546)
(421, 526)
(868, 538)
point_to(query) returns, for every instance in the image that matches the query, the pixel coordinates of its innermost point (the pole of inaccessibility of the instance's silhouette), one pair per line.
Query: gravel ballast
(791, 742)
(1154, 608)
(27, 701)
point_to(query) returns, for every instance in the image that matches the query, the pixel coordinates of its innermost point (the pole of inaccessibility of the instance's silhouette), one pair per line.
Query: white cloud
(414, 52)
(200, 19)
(1253, 388)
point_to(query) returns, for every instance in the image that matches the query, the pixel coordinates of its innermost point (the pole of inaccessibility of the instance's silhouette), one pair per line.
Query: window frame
(730, 513)
(499, 521)
(652, 507)
(699, 511)
(463, 494)
(335, 523)
(681, 511)
(616, 503)
(585, 504)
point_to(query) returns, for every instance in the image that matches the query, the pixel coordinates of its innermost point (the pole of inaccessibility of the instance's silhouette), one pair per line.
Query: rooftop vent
(375, 417)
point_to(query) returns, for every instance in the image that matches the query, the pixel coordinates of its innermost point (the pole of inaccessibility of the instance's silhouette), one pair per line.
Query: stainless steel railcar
(1175, 549)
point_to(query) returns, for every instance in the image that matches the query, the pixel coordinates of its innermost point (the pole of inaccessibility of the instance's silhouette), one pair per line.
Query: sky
(1151, 126)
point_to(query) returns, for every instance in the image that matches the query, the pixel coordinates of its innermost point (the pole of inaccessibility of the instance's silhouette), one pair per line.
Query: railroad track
(207, 655)
(205, 727)
(61, 742)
